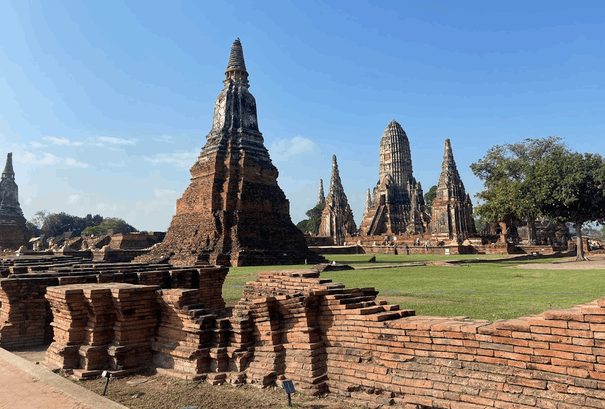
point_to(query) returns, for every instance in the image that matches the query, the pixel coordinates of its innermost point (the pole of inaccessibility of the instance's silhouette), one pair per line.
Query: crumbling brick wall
(329, 338)
(25, 314)
(381, 354)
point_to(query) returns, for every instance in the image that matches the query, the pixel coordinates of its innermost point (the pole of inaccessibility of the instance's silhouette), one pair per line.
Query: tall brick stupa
(233, 212)
(13, 233)
(396, 204)
(336, 218)
(452, 208)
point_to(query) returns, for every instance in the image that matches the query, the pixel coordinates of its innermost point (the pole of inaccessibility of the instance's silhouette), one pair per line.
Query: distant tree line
(58, 224)
(541, 178)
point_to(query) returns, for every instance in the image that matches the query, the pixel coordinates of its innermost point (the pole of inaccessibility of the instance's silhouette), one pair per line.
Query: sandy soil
(162, 392)
(596, 262)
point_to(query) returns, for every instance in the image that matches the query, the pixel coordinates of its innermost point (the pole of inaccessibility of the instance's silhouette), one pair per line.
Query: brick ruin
(452, 209)
(127, 317)
(233, 212)
(297, 325)
(396, 204)
(25, 314)
(337, 217)
(13, 233)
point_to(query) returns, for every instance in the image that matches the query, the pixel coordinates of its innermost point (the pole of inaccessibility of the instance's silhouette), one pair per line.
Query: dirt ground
(596, 261)
(162, 392)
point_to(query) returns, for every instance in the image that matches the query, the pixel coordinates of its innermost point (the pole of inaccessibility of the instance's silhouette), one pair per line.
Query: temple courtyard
(478, 286)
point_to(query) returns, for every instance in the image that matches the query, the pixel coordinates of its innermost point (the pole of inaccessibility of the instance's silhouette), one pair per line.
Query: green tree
(32, 229)
(570, 187)
(508, 198)
(109, 225)
(429, 197)
(56, 224)
(38, 218)
(311, 225)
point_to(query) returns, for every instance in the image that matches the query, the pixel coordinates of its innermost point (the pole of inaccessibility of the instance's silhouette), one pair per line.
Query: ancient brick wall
(25, 314)
(329, 338)
(381, 354)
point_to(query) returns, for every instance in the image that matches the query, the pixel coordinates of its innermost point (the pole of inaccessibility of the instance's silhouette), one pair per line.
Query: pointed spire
(452, 208)
(449, 180)
(8, 168)
(448, 167)
(321, 197)
(368, 200)
(335, 179)
(236, 67)
(335, 182)
(447, 152)
(337, 218)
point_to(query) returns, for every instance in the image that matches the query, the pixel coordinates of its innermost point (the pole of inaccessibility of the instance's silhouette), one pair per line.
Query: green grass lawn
(479, 287)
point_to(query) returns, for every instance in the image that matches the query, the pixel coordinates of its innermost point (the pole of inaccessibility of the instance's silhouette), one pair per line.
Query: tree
(57, 224)
(109, 225)
(480, 225)
(570, 187)
(429, 197)
(38, 219)
(311, 225)
(32, 229)
(508, 198)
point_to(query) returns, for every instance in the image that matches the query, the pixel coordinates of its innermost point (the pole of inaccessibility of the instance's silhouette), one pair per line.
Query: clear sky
(107, 104)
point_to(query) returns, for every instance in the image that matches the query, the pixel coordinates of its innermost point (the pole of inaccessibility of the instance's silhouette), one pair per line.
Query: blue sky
(107, 104)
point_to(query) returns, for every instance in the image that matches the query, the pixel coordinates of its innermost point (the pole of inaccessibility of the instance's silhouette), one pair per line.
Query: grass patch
(483, 288)
(239, 276)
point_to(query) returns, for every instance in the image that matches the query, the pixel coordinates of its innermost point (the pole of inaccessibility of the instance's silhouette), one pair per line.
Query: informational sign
(288, 386)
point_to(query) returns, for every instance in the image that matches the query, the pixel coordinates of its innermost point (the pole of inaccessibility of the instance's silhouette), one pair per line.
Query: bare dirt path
(596, 262)
(162, 392)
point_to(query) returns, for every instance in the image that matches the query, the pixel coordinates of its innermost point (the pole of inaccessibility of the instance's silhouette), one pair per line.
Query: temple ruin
(396, 205)
(13, 233)
(129, 317)
(336, 218)
(452, 211)
(233, 212)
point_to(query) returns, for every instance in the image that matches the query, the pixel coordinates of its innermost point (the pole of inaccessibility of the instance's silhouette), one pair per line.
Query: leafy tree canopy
(57, 224)
(311, 225)
(570, 187)
(505, 171)
(109, 225)
(429, 197)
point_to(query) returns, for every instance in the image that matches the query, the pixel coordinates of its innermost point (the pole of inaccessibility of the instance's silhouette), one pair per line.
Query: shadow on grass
(524, 257)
